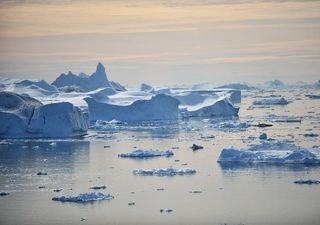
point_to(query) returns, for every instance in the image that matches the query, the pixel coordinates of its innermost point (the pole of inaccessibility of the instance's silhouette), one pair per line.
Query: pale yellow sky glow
(218, 41)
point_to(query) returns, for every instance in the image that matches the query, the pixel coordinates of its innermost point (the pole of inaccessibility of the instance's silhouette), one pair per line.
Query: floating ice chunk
(164, 172)
(313, 96)
(146, 154)
(42, 173)
(4, 193)
(98, 187)
(195, 147)
(307, 181)
(274, 101)
(271, 152)
(166, 210)
(57, 190)
(83, 198)
(263, 136)
(230, 125)
(311, 135)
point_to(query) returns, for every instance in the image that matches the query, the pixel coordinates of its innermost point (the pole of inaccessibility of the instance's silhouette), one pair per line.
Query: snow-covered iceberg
(84, 198)
(86, 83)
(158, 107)
(146, 154)
(271, 152)
(164, 172)
(33, 88)
(210, 107)
(25, 117)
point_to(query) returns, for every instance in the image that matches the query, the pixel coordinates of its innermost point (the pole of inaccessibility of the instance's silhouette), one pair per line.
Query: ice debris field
(147, 137)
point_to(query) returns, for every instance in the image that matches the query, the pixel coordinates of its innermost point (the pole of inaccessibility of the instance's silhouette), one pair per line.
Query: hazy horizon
(162, 42)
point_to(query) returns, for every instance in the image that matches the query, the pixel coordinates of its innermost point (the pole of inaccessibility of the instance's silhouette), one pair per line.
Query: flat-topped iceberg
(146, 154)
(164, 172)
(273, 152)
(25, 117)
(84, 198)
(272, 101)
(158, 107)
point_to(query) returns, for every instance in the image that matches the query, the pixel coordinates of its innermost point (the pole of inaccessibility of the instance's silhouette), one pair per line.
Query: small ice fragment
(83, 219)
(35, 147)
(160, 189)
(196, 191)
(310, 181)
(311, 135)
(263, 136)
(53, 144)
(98, 187)
(195, 147)
(177, 160)
(42, 173)
(57, 190)
(4, 193)
(83, 198)
(165, 210)
(146, 154)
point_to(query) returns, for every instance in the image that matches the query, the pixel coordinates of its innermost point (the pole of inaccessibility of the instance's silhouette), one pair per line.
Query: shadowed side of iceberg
(159, 107)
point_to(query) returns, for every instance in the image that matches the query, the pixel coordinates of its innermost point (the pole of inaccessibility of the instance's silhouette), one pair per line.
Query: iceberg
(274, 101)
(273, 152)
(85, 83)
(84, 198)
(159, 107)
(25, 117)
(146, 154)
(210, 107)
(146, 88)
(33, 88)
(164, 172)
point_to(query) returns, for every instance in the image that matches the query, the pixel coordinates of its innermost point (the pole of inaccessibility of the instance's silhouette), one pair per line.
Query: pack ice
(25, 117)
(271, 152)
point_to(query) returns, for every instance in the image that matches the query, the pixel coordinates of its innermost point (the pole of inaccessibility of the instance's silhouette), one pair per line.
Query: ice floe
(84, 197)
(271, 152)
(164, 172)
(146, 154)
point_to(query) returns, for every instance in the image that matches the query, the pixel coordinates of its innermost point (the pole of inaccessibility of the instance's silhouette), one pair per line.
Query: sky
(173, 42)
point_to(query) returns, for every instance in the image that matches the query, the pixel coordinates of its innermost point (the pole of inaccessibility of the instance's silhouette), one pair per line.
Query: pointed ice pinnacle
(99, 78)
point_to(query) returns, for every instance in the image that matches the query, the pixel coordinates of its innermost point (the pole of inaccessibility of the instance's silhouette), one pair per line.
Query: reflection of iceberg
(274, 152)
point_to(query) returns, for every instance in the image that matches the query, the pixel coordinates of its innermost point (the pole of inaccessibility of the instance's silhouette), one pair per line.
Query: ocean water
(231, 193)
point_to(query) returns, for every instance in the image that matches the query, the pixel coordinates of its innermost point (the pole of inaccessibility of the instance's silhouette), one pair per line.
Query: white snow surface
(164, 172)
(271, 152)
(146, 154)
(84, 197)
